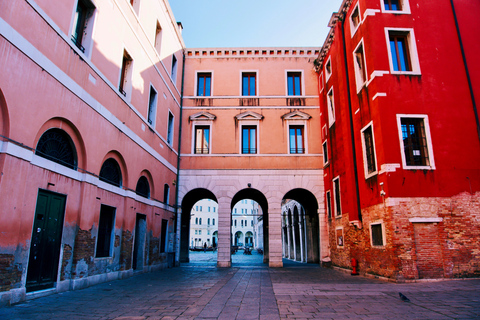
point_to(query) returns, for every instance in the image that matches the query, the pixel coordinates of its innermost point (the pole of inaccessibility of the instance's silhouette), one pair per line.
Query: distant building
(401, 140)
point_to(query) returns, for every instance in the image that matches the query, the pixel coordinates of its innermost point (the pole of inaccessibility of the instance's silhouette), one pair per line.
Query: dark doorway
(46, 241)
(139, 244)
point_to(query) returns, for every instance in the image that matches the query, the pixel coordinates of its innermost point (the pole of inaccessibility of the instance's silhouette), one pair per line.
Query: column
(224, 259)
(274, 236)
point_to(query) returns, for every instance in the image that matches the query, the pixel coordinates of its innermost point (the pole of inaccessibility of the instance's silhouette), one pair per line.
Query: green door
(46, 241)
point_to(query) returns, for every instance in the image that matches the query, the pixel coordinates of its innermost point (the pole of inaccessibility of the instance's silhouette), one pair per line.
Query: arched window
(56, 145)
(111, 173)
(143, 187)
(200, 221)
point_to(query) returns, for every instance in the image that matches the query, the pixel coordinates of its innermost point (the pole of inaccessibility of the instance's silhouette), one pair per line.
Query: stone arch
(188, 201)
(4, 117)
(309, 227)
(72, 131)
(115, 155)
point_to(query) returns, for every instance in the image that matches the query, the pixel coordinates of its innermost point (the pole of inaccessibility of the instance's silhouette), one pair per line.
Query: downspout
(177, 226)
(357, 190)
(472, 96)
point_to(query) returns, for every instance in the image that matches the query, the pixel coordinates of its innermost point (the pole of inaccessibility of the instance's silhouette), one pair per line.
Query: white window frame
(412, 51)
(358, 76)
(328, 74)
(405, 8)
(172, 132)
(328, 194)
(331, 107)
(343, 238)
(364, 148)
(257, 87)
(353, 28)
(428, 139)
(196, 83)
(336, 215)
(302, 83)
(194, 132)
(128, 79)
(154, 117)
(326, 159)
(87, 40)
(249, 123)
(298, 123)
(384, 236)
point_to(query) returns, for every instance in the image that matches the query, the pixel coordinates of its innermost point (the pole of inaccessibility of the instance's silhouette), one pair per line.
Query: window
(249, 139)
(251, 223)
(196, 231)
(355, 20)
(208, 209)
(402, 51)
(202, 138)
(83, 25)
(152, 106)
(166, 194)
(213, 222)
(204, 83)
(331, 108)
(199, 231)
(329, 204)
(200, 221)
(111, 173)
(294, 83)
(200, 208)
(143, 187)
(57, 146)
(158, 38)
(395, 6)
(249, 84)
(328, 69)
(208, 221)
(214, 209)
(105, 231)
(297, 144)
(125, 73)
(174, 69)
(336, 197)
(339, 235)
(416, 142)
(196, 222)
(369, 158)
(170, 129)
(376, 234)
(360, 66)
(241, 222)
(325, 152)
(235, 222)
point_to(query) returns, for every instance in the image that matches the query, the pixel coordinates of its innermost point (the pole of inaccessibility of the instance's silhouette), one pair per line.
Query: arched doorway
(188, 203)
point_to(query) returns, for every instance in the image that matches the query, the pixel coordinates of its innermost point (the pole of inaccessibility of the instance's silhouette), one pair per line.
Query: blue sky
(254, 23)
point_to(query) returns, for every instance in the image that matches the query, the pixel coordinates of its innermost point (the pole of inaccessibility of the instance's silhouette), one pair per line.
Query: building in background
(89, 122)
(398, 82)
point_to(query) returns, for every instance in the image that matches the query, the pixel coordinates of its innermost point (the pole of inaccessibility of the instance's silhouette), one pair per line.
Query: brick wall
(126, 250)
(84, 251)
(10, 272)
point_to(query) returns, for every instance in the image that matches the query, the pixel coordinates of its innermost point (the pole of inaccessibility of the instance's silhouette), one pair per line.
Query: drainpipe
(472, 96)
(177, 227)
(355, 171)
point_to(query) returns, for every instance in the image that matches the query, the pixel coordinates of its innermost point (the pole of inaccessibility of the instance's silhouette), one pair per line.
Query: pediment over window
(296, 115)
(249, 115)
(202, 116)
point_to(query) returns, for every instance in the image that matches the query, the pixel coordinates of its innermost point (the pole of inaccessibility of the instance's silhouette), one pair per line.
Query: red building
(398, 81)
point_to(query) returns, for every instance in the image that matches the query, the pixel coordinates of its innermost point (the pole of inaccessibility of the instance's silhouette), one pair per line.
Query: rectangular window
(125, 73)
(355, 20)
(415, 142)
(152, 106)
(339, 236)
(296, 137)
(170, 129)
(166, 194)
(204, 82)
(105, 231)
(369, 158)
(325, 152)
(328, 69)
(360, 66)
(328, 197)
(336, 194)
(249, 139)
(158, 38)
(376, 234)
(213, 221)
(294, 83)
(331, 108)
(399, 51)
(82, 24)
(174, 69)
(393, 5)
(202, 138)
(163, 243)
(249, 84)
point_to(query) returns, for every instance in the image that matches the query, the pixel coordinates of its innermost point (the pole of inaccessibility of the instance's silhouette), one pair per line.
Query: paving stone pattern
(253, 292)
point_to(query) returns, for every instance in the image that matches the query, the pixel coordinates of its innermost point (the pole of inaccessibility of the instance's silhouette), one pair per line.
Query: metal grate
(57, 146)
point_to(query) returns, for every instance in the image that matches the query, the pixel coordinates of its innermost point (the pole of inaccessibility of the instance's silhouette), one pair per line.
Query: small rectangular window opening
(249, 84)
(105, 231)
(377, 235)
(249, 139)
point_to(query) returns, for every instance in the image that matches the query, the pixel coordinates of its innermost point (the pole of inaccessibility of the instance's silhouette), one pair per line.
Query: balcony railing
(249, 150)
(201, 151)
(297, 150)
(78, 44)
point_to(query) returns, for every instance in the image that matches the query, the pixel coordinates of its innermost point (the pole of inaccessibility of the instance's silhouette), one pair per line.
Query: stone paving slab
(297, 292)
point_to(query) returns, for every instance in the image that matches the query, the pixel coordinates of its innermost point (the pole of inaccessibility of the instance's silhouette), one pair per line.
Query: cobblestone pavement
(297, 291)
